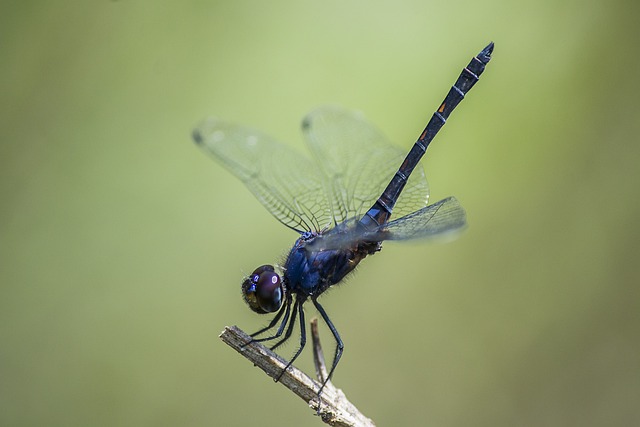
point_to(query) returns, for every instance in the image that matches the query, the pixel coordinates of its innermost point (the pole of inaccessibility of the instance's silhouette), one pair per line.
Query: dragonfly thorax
(310, 271)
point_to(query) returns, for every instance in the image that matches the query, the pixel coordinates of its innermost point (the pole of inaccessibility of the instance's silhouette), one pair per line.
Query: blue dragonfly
(339, 202)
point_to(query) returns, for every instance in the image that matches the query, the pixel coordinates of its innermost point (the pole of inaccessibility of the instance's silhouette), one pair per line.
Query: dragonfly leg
(339, 343)
(303, 336)
(292, 323)
(283, 324)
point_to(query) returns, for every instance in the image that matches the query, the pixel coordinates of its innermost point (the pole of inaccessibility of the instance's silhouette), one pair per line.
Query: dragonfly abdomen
(381, 210)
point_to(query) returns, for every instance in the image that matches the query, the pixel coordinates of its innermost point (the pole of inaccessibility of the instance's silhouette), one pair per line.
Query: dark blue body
(309, 272)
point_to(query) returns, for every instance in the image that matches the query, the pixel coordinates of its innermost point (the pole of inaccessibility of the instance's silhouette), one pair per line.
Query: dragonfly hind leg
(339, 343)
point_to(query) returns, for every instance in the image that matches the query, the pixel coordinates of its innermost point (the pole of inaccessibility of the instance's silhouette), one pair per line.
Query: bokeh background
(122, 246)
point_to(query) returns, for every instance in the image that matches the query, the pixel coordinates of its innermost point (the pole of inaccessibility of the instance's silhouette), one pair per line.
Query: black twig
(332, 406)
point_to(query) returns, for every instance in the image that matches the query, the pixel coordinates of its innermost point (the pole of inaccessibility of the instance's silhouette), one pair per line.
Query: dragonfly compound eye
(263, 290)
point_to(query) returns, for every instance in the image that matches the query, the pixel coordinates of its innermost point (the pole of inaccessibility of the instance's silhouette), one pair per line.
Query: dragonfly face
(263, 290)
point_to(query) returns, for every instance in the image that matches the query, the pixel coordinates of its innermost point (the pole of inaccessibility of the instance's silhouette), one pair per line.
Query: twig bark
(333, 406)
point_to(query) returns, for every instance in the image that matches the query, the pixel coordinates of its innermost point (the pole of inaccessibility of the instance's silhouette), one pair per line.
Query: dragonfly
(339, 202)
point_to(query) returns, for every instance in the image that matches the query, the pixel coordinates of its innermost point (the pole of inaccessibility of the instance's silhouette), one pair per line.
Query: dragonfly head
(262, 290)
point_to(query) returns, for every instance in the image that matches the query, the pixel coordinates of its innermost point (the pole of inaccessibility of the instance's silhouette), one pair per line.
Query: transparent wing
(443, 217)
(287, 183)
(358, 161)
(436, 220)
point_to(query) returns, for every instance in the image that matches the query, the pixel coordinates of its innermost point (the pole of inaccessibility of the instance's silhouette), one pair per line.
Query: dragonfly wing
(287, 183)
(358, 162)
(441, 218)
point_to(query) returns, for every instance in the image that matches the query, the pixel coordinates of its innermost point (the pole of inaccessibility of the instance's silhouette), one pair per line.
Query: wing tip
(197, 137)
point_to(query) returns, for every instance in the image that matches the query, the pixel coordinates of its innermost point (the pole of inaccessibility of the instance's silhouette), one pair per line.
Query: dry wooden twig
(333, 406)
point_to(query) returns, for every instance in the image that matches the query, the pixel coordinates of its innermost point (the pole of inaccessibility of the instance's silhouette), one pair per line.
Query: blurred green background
(122, 246)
